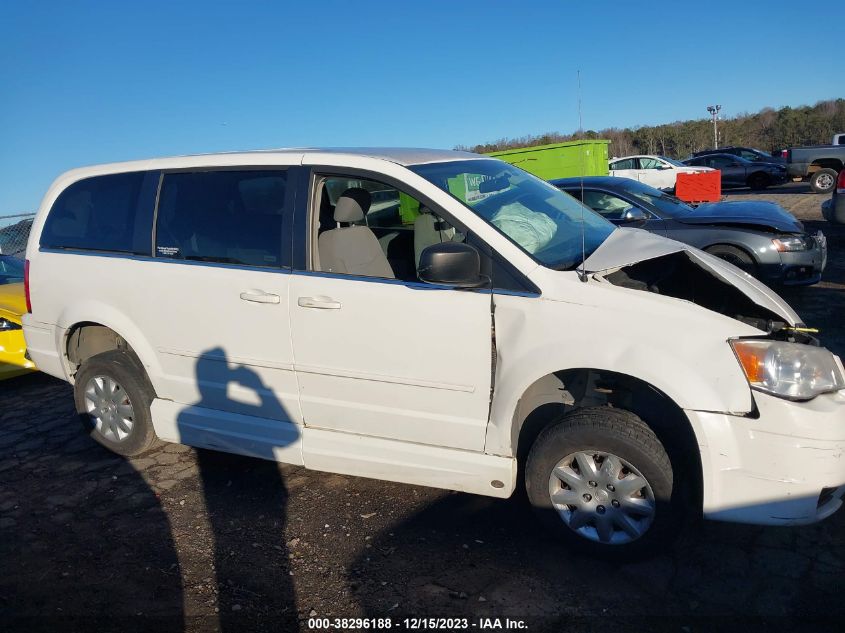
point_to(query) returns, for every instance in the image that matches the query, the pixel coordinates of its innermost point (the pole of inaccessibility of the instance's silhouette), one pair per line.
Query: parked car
(748, 153)
(838, 139)
(492, 325)
(738, 172)
(13, 360)
(818, 163)
(657, 171)
(833, 209)
(760, 238)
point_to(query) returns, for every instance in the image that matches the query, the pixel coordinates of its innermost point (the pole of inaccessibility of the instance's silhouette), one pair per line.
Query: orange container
(705, 186)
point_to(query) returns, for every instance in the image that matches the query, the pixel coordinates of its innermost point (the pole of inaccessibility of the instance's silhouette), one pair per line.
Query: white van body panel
(579, 314)
(398, 371)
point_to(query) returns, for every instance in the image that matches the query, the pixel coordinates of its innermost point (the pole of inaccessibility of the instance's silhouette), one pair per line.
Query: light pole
(714, 112)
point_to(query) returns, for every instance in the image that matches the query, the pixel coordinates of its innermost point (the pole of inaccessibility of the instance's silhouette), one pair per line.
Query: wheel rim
(110, 409)
(824, 181)
(602, 497)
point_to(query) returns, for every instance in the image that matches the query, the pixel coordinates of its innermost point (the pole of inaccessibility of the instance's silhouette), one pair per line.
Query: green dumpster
(560, 160)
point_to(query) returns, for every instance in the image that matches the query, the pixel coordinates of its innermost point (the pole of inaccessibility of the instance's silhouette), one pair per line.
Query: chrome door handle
(320, 303)
(259, 296)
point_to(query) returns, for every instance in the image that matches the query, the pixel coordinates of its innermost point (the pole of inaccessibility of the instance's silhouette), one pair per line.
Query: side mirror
(634, 214)
(451, 264)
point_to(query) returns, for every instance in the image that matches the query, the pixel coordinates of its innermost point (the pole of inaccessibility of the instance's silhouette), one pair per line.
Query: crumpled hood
(748, 213)
(627, 246)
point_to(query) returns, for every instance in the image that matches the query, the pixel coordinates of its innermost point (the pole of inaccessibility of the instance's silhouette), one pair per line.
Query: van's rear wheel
(602, 481)
(113, 398)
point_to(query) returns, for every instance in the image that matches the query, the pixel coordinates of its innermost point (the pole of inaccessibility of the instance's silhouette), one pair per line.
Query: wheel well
(85, 340)
(564, 391)
(734, 246)
(826, 163)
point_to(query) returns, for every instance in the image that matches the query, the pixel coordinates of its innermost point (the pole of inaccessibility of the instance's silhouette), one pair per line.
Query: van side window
(105, 213)
(230, 217)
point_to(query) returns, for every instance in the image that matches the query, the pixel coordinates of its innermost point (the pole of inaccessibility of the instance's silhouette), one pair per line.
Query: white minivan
(437, 318)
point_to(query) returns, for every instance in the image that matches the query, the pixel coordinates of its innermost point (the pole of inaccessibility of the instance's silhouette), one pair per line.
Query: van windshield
(539, 218)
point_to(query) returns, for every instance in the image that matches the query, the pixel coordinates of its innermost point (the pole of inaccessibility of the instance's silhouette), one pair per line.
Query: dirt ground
(179, 539)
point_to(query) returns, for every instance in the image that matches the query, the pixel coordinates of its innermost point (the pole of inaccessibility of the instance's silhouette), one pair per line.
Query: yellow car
(13, 361)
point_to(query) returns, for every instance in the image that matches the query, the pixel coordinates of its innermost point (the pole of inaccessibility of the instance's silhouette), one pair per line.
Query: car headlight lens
(6, 325)
(789, 370)
(791, 243)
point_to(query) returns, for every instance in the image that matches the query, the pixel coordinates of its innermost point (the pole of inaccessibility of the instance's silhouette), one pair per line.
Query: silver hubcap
(825, 181)
(602, 497)
(109, 407)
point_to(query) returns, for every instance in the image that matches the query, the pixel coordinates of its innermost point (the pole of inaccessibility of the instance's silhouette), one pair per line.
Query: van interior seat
(428, 231)
(353, 249)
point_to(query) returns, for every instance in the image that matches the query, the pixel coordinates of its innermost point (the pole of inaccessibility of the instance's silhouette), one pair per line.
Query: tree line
(769, 130)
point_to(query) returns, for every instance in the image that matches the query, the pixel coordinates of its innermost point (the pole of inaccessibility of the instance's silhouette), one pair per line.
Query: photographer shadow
(246, 498)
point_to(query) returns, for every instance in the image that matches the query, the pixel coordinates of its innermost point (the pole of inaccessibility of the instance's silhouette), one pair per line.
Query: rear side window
(105, 213)
(229, 217)
(628, 163)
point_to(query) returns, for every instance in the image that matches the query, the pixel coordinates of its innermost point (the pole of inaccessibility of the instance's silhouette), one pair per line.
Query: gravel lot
(179, 539)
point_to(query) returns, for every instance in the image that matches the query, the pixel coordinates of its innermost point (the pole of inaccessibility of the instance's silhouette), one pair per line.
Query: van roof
(399, 155)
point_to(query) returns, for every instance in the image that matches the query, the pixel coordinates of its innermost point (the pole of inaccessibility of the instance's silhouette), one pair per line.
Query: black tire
(125, 370)
(734, 255)
(606, 430)
(758, 181)
(824, 180)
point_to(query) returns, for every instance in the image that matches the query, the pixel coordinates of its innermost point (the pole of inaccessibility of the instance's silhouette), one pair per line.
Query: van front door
(379, 353)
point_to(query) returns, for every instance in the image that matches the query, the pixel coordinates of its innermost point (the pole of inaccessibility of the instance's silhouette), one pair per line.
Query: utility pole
(714, 112)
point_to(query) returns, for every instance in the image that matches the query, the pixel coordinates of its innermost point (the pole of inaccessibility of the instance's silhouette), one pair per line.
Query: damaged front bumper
(785, 467)
(802, 268)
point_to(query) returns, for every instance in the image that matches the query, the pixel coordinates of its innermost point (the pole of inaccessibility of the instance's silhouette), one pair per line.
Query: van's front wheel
(601, 480)
(113, 399)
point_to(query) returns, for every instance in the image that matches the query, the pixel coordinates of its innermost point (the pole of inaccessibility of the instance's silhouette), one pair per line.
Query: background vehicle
(656, 171)
(466, 331)
(739, 172)
(819, 163)
(748, 153)
(14, 232)
(838, 139)
(758, 237)
(13, 360)
(833, 209)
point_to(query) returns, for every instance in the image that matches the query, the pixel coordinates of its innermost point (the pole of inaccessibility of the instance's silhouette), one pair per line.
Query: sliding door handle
(259, 296)
(319, 303)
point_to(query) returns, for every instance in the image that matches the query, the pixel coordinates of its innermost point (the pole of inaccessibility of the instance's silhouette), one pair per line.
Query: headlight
(6, 325)
(791, 243)
(789, 370)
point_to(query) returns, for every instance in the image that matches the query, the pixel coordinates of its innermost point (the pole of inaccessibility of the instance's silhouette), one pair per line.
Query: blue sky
(86, 82)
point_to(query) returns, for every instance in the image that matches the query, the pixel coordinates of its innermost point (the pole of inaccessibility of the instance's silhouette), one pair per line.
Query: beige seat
(352, 249)
(429, 230)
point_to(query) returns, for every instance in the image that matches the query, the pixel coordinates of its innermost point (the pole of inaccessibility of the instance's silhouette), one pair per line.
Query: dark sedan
(748, 153)
(759, 237)
(739, 172)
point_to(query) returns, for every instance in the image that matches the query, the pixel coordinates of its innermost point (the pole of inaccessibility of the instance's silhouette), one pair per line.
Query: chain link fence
(14, 232)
